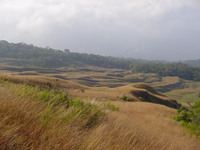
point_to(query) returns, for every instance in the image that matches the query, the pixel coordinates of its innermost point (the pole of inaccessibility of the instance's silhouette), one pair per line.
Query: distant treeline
(25, 55)
(169, 69)
(194, 63)
(29, 55)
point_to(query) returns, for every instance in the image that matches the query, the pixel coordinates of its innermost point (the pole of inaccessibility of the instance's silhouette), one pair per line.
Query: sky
(146, 29)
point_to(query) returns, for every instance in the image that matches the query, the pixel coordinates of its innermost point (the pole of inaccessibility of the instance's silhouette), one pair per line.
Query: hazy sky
(148, 29)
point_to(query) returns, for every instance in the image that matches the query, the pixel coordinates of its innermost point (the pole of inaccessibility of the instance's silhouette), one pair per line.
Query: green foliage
(75, 108)
(190, 118)
(169, 69)
(47, 114)
(81, 110)
(47, 95)
(126, 98)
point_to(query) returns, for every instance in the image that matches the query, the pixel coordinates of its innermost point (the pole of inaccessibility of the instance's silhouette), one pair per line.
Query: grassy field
(181, 90)
(47, 113)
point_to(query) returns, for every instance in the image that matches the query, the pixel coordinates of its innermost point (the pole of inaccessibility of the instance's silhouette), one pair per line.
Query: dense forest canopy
(32, 56)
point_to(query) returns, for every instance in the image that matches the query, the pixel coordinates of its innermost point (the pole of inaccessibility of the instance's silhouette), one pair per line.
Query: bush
(126, 98)
(190, 118)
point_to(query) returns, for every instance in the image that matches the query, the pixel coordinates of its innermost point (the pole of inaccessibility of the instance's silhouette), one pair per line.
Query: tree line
(169, 69)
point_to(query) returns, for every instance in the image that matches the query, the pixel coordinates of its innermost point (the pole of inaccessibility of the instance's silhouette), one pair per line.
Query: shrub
(126, 98)
(190, 118)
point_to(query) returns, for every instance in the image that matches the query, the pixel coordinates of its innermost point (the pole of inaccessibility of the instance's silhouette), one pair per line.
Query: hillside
(40, 113)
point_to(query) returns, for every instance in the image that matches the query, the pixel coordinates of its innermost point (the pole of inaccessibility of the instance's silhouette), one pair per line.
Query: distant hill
(32, 56)
(24, 55)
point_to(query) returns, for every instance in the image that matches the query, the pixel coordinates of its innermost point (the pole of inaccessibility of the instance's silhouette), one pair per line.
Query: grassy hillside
(174, 87)
(131, 92)
(44, 113)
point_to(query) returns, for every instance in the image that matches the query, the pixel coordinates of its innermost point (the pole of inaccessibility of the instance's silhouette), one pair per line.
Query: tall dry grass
(28, 120)
(28, 123)
(141, 126)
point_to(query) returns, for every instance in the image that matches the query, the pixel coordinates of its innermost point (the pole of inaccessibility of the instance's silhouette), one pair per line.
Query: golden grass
(43, 81)
(187, 94)
(29, 123)
(134, 92)
(141, 126)
(173, 87)
(166, 81)
(21, 128)
(135, 126)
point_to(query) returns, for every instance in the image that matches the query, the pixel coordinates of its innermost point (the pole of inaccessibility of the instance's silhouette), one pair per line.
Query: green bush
(126, 98)
(190, 118)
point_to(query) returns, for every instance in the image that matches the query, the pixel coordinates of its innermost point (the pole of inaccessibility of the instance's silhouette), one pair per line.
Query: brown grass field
(33, 118)
(181, 90)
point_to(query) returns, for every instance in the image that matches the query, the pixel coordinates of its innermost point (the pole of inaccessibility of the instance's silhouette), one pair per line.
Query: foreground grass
(32, 117)
(42, 118)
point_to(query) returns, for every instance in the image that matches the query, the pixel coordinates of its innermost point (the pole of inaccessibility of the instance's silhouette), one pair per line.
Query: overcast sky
(147, 29)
